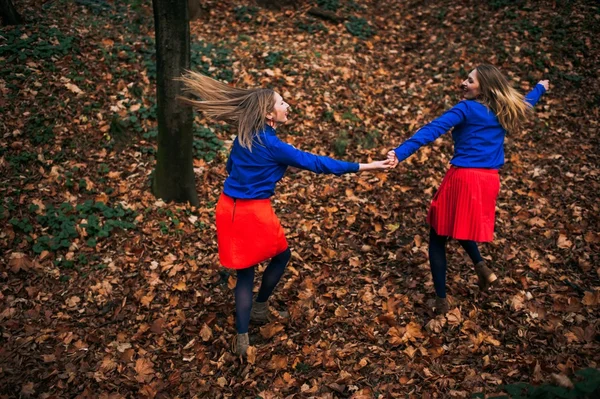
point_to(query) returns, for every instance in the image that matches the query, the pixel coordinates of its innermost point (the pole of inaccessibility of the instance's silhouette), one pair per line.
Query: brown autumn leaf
(436, 325)
(144, 369)
(410, 351)
(278, 362)
(180, 286)
(73, 301)
(19, 261)
(205, 333)
(563, 242)
(27, 389)
(341, 311)
(591, 299)
(107, 364)
(73, 88)
(413, 332)
(268, 331)
(251, 354)
(454, 317)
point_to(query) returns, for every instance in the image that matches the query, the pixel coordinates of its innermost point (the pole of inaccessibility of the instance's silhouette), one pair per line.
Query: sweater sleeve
(229, 164)
(287, 154)
(433, 130)
(534, 95)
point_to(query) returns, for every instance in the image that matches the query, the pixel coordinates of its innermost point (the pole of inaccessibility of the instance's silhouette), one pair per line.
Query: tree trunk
(9, 13)
(174, 174)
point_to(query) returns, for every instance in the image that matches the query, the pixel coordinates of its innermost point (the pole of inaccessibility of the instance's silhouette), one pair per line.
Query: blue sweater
(478, 136)
(254, 174)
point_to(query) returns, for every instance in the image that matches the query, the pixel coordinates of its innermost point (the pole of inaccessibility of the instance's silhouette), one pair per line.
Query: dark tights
(437, 259)
(245, 282)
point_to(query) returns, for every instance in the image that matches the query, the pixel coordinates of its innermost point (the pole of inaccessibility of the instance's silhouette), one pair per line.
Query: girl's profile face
(280, 111)
(470, 86)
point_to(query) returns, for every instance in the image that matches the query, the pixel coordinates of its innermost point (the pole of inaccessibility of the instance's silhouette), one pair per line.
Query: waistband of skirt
(479, 170)
(246, 200)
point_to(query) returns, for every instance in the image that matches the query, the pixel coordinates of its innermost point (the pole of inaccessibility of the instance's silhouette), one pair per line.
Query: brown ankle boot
(485, 276)
(240, 344)
(260, 313)
(441, 305)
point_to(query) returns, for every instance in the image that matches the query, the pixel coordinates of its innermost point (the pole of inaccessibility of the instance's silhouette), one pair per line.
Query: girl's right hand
(545, 83)
(377, 165)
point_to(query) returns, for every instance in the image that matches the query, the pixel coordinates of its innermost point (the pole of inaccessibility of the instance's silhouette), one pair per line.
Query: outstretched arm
(430, 132)
(287, 154)
(534, 95)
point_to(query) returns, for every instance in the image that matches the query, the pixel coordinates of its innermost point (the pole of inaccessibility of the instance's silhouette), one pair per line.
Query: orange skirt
(464, 207)
(248, 232)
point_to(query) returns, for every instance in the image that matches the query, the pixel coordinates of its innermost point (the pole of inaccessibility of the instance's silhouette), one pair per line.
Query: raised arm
(431, 131)
(534, 95)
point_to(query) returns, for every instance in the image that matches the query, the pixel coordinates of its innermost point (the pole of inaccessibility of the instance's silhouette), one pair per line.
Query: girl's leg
(472, 250)
(437, 262)
(485, 276)
(243, 299)
(272, 275)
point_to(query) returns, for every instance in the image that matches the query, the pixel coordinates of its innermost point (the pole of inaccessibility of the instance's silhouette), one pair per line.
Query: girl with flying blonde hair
(248, 231)
(464, 206)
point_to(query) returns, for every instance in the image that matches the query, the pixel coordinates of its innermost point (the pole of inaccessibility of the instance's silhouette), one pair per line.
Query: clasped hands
(389, 163)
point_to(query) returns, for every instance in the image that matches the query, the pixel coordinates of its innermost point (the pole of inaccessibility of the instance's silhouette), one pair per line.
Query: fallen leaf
(206, 333)
(268, 331)
(144, 369)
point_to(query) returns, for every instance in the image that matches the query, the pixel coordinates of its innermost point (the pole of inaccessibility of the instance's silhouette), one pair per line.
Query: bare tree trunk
(174, 173)
(9, 13)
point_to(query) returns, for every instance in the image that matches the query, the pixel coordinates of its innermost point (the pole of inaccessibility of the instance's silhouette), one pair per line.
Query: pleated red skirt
(248, 232)
(464, 207)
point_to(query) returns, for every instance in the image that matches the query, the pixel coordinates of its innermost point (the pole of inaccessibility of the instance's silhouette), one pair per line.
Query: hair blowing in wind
(246, 107)
(507, 103)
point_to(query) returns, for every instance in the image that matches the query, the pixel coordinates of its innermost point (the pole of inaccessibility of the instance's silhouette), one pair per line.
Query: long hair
(246, 107)
(497, 94)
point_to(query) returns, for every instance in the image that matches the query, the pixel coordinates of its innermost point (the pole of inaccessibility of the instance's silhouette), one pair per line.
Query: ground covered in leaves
(105, 291)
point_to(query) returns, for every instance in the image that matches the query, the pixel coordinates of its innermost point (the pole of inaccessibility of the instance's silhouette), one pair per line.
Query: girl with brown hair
(248, 231)
(464, 206)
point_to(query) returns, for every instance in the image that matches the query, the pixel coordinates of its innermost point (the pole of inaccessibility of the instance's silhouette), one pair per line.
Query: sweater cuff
(542, 86)
(399, 154)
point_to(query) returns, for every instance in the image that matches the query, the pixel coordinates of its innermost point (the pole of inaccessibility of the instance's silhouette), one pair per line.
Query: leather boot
(441, 305)
(260, 313)
(240, 344)
(485, 276)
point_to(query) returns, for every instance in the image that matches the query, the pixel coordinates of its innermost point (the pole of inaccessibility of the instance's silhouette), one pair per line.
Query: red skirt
(248, 232)
(464, 207)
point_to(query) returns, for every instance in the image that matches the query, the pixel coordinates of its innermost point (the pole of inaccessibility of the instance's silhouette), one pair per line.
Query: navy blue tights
(245, 282)
(437, 259)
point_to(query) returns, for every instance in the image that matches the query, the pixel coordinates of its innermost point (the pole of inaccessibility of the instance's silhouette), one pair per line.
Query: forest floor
(108, 292)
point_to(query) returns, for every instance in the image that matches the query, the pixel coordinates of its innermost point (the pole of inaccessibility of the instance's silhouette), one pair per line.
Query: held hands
(391, 156)
(377, 165)
(545, 83)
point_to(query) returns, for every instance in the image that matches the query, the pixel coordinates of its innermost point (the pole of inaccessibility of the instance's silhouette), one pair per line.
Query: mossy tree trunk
(9, 13)
(174, 174)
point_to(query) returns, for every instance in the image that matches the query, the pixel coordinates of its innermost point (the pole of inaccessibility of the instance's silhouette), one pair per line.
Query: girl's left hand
(545, 83)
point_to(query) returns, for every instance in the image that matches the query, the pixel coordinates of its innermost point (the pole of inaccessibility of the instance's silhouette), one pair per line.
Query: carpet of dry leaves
(151, 313)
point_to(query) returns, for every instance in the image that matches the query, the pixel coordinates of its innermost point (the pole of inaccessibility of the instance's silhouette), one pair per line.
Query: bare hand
(545, 83)
(391, 156)
(375, 165)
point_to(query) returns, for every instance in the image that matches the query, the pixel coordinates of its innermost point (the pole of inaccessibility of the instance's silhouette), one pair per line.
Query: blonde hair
(497, 94)
(247, 107)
